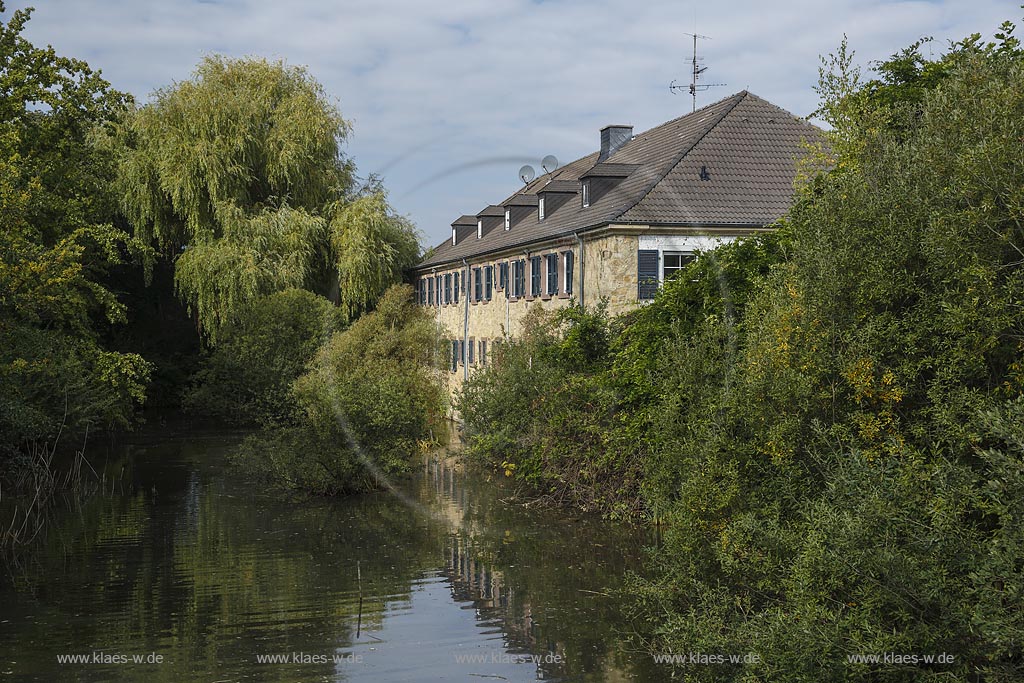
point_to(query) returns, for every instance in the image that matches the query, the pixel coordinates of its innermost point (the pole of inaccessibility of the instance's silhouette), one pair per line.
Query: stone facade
(608, 269)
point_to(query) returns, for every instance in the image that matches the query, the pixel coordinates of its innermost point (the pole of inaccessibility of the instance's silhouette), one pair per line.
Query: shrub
(246, 378)
(372, 397)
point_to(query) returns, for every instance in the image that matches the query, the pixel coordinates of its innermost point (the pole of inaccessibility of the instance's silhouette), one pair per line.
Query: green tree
(57, 243)
(371, 398)
(247, 377)
(237, 175)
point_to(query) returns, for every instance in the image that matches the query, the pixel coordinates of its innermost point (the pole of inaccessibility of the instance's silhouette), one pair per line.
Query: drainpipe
(465, 323)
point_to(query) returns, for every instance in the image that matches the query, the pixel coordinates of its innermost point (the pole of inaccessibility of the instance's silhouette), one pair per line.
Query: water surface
(187, 572)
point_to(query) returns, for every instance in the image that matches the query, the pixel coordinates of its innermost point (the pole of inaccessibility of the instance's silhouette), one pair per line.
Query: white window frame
(585, 192)
(540, 208)
(479, 228)
(663, 276)
(508, 218)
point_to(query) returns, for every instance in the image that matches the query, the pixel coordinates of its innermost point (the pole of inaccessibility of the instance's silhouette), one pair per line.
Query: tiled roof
(491, 210)
(567, 186)
(465, 219)
(607, 170)
(730, 163)
(521, 200)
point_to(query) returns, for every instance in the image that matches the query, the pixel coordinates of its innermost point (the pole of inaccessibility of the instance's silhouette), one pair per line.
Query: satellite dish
(526, 173)
(549, 163)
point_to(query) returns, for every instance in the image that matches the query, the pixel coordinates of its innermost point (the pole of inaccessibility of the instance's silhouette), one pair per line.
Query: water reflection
(193, 565)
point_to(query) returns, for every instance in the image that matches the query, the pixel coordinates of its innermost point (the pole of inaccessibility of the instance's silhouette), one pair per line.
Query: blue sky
(448, 99)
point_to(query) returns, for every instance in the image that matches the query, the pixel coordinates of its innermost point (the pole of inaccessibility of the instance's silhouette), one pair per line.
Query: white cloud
(487, 86)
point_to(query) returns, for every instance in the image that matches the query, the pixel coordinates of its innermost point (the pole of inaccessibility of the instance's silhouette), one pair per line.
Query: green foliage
(56, 168)
(830, 494)
(827, 420)
(372, 397)
(247, 377)
(237, 175)
(372, 249)
(545, 412)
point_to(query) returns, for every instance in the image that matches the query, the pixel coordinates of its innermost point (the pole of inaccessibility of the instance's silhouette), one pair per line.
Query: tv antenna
(694, 87)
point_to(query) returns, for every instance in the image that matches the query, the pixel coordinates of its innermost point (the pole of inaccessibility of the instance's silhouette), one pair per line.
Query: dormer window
(585, 190)
(508, 218)
(453, 236)
(540, 208)
(479, 228)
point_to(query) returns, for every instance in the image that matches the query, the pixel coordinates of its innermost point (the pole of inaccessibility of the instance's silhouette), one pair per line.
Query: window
(479, 228)
(674, 262)
(462, 352)
(477, 285)
(483, 352)
(586, 193)
(447, 288)
(430, 291)
(535, 276)
(455, 289)
(472, 344)
(647, 273)
(552, 265)
(508, 218)
(455, 355)
(540, 208)
(503, 276)
(567, 269)
(519, 277)
(488, 282)
(437, 288)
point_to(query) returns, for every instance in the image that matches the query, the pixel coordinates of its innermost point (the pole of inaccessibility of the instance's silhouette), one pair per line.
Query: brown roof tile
(747, 147)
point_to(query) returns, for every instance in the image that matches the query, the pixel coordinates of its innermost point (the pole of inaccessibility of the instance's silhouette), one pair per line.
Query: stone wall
(608, 269)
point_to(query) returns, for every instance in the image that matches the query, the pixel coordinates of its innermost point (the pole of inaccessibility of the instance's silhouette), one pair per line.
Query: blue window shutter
(552, 260)
(647, 273)
(568, 271)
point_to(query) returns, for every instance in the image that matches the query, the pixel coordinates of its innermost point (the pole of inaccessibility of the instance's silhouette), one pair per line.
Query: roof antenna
(694, 87)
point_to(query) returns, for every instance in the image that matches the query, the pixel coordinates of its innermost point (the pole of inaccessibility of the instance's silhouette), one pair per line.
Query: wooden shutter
(647, 273)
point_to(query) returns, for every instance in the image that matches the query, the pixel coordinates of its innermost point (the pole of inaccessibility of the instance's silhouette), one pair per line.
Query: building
(614, 224)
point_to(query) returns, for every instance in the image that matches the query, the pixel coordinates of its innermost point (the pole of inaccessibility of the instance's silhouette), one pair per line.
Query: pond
(185, 571)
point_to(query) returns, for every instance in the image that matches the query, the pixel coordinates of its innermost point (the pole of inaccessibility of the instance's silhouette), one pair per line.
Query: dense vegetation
(60, 237)
(829, 421)
(371, 398)
(227, 194)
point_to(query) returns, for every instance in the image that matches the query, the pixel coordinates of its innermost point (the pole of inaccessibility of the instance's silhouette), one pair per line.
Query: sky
(448, 99)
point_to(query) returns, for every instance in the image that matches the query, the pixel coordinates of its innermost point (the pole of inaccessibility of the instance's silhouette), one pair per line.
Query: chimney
(612, 138)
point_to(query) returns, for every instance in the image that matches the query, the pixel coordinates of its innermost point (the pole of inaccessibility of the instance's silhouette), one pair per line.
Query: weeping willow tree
(237, 174)
(371, 248)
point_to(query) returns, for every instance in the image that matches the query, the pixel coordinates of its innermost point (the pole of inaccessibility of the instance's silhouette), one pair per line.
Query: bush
(372, 397)
(247, 377)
